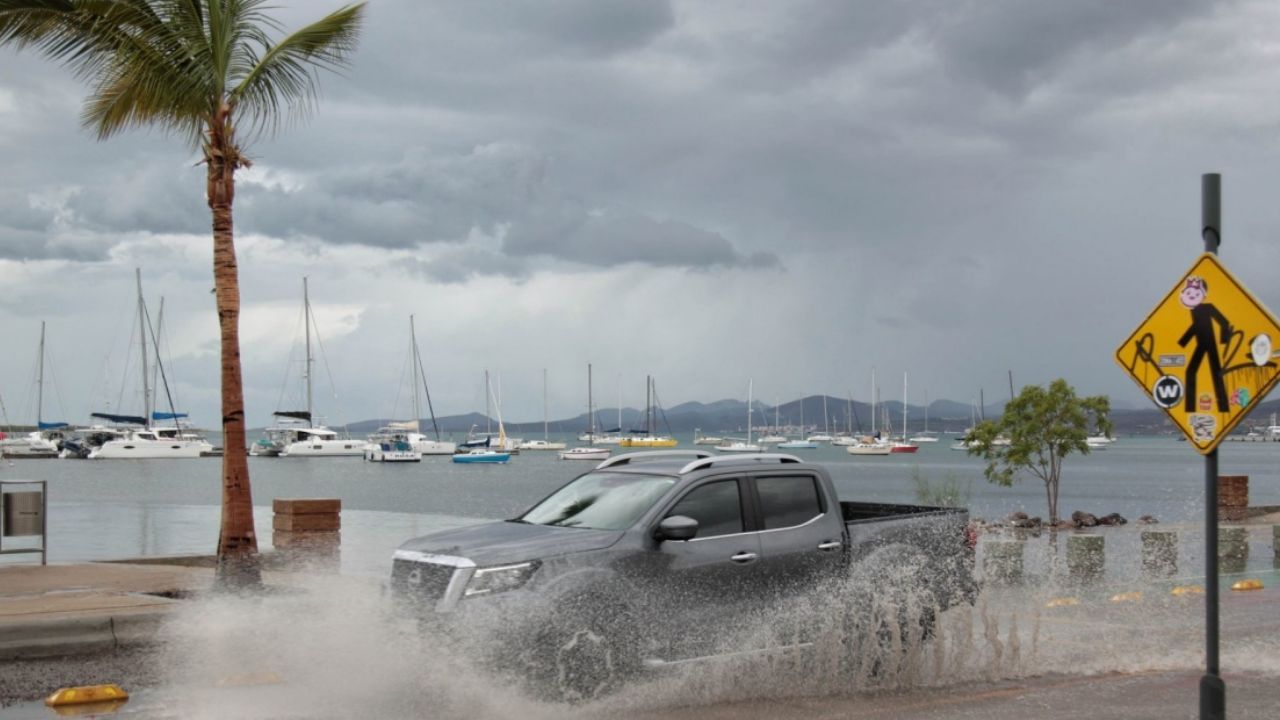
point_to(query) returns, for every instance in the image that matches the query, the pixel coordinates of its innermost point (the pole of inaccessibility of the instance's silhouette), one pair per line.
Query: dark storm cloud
(588, 27)
(1011, 45)
(606, 239)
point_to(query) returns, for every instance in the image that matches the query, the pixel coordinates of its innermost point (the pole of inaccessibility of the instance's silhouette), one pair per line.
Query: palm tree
(201, 69)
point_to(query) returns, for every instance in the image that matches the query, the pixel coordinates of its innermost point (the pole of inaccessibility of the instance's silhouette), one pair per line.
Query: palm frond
(283, 80)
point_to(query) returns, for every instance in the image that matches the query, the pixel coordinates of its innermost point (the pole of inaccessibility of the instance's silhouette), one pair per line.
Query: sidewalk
(87, 607)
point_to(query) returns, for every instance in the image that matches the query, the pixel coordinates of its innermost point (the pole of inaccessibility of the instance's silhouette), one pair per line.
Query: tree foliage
(201, 69)
(1038, 430)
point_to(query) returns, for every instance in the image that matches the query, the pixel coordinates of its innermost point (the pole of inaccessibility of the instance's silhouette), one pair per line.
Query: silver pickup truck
(667, 557)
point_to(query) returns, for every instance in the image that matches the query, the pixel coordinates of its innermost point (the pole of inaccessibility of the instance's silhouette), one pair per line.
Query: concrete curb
(78, 635)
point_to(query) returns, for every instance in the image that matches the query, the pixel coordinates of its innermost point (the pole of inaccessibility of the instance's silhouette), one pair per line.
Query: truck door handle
(831, 545)
(744, 557)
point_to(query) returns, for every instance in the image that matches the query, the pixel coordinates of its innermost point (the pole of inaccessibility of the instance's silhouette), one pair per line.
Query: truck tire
(896, 613)
(588, 651)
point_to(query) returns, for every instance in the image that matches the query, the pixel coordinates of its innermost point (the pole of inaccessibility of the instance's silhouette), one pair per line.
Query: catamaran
(146, 440)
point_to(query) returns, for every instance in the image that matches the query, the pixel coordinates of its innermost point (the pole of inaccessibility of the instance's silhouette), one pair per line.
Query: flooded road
(334, 647)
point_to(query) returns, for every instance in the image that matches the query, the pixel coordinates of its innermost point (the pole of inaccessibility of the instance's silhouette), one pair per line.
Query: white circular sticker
(1260, 348)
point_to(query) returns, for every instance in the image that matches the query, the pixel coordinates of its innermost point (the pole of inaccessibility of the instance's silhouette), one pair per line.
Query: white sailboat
(588, 452)
(825, 435)
(902, 445)
(799, 444)
(925, 436)
(46, 440)
(148, 441)
(649, 439)
(740, 446)
(775, 436)
(545, 443)
(305, 438)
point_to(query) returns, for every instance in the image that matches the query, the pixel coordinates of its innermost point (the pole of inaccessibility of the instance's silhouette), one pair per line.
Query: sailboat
(739, 446)
(775, 435)
(147, 440)
(46, 440)
(648, 439)
(799, 444)
(488, 454)
(825, 435)
(589, 452)
(545, 443)
(925, 436)
(871, 445)
(902, 445)
(700, 439)
(304, 438)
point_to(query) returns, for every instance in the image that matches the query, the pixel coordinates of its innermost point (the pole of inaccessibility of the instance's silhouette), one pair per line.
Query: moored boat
(480, 455)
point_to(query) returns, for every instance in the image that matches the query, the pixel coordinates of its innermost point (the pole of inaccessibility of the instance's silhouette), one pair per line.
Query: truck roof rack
(753, 459)
(631, 457)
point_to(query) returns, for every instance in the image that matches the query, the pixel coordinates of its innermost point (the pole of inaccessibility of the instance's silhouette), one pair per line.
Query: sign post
(1206, 355)
(1213, 691)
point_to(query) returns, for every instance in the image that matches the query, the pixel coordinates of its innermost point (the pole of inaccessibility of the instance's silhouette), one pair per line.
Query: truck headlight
(487, 581)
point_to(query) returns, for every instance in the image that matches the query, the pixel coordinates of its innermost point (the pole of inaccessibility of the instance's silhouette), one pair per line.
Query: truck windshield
(600, 501)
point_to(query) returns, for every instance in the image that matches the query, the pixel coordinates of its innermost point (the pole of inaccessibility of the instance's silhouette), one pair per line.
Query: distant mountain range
(722, 416)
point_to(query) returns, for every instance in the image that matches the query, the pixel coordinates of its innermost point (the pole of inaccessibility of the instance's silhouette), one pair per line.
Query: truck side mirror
(677, 527)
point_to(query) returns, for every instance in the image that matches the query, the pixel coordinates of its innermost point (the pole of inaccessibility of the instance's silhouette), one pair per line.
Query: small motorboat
(481, 455)
(585, 453)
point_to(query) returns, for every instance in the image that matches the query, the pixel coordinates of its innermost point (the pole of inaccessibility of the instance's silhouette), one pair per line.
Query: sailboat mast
(417, 408)
(648, 405)
(826, 419)
(40, 382)
(749, 399)
(142, 331)
(873, 402)
(306, 322)
(926, 411)
(591, 415)
(488, 409)
(544, 404)
(904, 407)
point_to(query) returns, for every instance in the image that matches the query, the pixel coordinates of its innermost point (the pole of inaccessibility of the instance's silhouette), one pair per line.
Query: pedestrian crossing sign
(1206, 355)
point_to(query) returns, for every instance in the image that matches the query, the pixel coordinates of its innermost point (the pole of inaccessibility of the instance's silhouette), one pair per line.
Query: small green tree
(1037, 431)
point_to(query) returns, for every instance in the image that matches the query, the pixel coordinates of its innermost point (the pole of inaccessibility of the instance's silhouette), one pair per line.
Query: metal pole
(1213, 691)
(44, 522)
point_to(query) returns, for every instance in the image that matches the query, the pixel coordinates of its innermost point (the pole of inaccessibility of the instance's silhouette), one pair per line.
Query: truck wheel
(898, 613)
(585, 654)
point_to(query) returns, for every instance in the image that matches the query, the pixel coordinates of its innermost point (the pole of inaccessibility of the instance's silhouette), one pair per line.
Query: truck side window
(716, 506)
(788, 501)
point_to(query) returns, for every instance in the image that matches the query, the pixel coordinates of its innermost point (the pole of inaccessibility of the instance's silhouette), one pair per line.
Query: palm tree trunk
(237, 542)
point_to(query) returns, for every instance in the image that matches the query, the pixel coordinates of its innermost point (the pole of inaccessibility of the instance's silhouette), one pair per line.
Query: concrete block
(1002, 561)
(1160, 552)
(1086, 556)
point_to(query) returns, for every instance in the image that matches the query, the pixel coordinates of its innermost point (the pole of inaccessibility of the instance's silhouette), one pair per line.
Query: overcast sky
(708, 192)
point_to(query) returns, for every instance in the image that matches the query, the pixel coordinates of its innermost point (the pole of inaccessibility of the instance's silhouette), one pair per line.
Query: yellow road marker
(1183, 590)
(1133, 596)
(86, 694)
(1250, 584)
(1062, 602)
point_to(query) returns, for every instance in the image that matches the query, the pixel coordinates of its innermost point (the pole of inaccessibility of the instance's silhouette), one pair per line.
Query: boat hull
(649, 442)
(479, 458)
(798, 445)
(150, 449)
(868, 450)
(903, 449)
(323, 448)
(586, 454)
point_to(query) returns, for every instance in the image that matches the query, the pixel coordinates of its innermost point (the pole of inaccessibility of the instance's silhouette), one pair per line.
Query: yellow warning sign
(1206, 355)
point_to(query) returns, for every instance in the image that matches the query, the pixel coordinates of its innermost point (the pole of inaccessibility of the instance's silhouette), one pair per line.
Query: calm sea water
(113, 509)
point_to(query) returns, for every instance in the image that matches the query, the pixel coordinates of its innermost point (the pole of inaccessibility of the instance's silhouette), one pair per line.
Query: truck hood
(499, 543)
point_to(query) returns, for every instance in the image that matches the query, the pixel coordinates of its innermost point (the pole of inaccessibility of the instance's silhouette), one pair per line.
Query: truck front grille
(424, 581)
